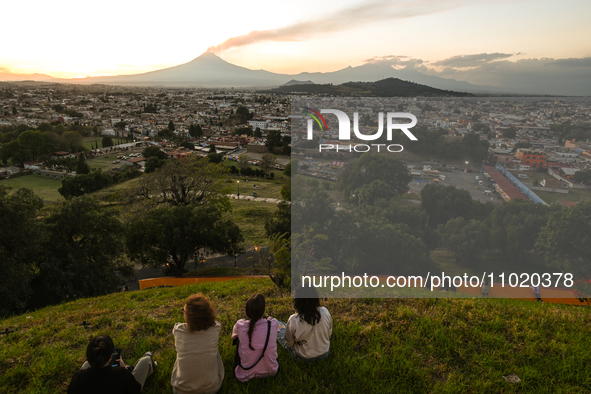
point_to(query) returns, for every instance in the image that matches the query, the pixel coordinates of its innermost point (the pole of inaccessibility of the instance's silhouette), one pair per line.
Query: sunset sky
(66, 38)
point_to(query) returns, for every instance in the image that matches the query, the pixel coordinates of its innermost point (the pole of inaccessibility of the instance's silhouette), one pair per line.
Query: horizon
(480, 42)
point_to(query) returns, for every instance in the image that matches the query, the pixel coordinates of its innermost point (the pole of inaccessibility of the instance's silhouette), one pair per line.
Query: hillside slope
(378, 346)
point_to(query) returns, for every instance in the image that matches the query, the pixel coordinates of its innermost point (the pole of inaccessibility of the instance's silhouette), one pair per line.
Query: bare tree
(190, 180)
(268, 162)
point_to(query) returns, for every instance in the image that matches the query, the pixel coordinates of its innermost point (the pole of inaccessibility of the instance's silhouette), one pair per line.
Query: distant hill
(294, 82)
(384, 88)
(10, 77)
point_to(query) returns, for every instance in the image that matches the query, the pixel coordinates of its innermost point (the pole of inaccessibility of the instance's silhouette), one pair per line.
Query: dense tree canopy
(372, 167)
(20, 247)
(565, 241)
(172, 235)
(443, 203)
(81, 253)
(154, 151)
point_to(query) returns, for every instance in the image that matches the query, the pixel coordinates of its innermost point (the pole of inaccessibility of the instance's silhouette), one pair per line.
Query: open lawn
(91, 142)
(250, 216)
(114, 193)
(105, 163)
(46, 188)
(266, 188)
(577, 195)
(377, 345)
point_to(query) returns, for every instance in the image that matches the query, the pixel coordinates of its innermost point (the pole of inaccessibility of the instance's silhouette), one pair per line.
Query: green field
(90, 142)
(250, 216)
(577, 195)
(377, 345)
(266, 188)
(46, 188)
(105, 163)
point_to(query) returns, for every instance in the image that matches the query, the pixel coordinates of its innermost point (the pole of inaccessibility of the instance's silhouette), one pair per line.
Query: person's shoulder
(180, 327)
(241, 324)
(324, 311)
(293, 317)
(213, 330)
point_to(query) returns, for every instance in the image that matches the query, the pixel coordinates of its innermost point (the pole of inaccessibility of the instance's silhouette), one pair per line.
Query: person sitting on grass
(306, 336)
(97, 374)
(257, 346)
(198, 367)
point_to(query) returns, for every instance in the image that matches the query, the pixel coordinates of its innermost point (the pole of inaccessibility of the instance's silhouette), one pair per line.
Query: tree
(74, 140)
(481, 127)
(120, 125)
(151, 151)
(295, 163)
(107, 142)
(368, 194)
(190, 180)
(286, 190)
(13, 151)
(467, 240)
(565, 241)
(257, 133)
(373, 252)
(152, 164)
(280, 223)
(171, 236)
(273, 140)
(212, 149)
(19, 247)
(313, 209)
(279, 267)
(514, 228)
(195, 131)
(82, 167)
(188, 145)
(171, 126)
(165, 134)
(82, 253)
(243, 161)
(370, 167)
(443, 203)
(268, 162)
(583, 176)
(215, 158)
(245, 113)
(59, 129)
(33, 141)
(84, 183)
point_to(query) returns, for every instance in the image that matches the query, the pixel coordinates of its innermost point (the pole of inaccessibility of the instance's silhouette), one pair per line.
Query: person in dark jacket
(98, 376)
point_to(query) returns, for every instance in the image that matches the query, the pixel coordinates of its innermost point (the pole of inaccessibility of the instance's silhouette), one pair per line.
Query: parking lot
(460, 180)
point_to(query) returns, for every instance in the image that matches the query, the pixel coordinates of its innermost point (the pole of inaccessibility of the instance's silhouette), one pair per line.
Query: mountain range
(209, 70)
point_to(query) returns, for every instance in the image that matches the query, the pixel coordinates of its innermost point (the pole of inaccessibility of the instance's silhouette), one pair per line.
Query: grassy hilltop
(378, 346)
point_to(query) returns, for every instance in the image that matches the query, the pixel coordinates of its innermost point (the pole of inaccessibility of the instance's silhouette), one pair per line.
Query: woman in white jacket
(306, 336)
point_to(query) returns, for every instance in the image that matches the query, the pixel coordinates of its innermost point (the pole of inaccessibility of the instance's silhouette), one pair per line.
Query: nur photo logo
(344, 133)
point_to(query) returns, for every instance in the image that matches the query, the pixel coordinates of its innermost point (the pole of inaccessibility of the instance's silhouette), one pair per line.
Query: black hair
(306, 303)
(255, 309)
(99, 351)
